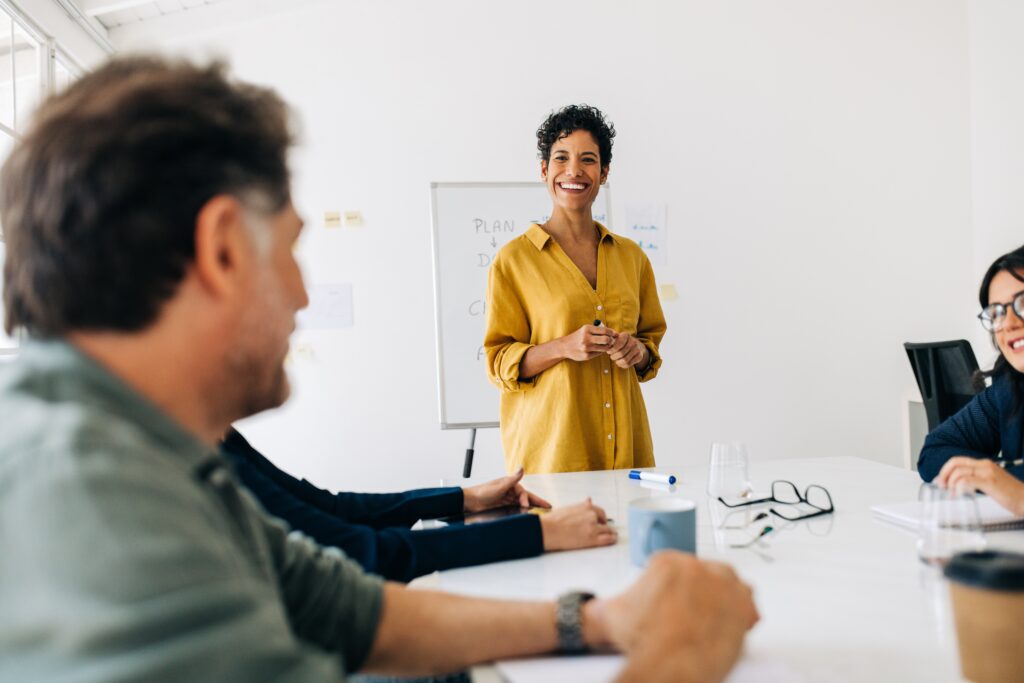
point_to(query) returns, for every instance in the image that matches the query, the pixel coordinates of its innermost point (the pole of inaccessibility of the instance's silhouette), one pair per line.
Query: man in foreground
(150, 237)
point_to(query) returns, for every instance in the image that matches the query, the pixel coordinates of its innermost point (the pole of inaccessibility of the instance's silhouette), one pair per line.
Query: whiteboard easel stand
(467, 466)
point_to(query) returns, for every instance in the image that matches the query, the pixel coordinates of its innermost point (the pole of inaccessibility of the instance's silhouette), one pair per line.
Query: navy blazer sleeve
(981, 429)
(396, 553)
(379, 510)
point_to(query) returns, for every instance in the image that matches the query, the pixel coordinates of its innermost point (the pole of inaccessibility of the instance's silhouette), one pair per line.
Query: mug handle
(648, 534)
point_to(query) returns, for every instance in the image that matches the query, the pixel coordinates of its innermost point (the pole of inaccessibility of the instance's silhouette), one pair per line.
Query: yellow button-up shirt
(574, 416)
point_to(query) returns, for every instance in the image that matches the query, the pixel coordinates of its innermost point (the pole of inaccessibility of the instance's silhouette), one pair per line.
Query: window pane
(6, 145)
(6, 343)
(28, 84)
(6, 75)
(63, 76)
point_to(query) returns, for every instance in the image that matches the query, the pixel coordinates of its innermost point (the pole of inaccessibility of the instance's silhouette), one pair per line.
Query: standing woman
(573, 319)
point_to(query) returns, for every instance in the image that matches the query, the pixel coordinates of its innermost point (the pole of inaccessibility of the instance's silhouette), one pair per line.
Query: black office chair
(947, 375)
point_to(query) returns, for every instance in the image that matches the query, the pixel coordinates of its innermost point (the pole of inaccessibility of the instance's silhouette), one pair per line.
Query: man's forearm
(425, 632)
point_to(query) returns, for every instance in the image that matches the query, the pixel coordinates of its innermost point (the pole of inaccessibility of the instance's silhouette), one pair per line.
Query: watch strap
(569, 621)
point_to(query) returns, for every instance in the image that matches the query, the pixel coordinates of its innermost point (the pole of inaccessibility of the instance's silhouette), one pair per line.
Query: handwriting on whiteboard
(492, 235)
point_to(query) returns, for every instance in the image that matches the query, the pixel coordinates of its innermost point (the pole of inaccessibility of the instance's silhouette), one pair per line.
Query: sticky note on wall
(353, 219)
(668, 292)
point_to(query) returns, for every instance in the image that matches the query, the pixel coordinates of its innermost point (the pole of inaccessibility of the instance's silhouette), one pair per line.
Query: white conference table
(842, 597)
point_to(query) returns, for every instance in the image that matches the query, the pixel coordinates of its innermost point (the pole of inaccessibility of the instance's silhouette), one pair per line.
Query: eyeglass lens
(818, 497)
(993, 316)
(785, 492)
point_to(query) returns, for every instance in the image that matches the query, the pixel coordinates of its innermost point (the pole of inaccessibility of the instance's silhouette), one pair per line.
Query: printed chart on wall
(471, 222)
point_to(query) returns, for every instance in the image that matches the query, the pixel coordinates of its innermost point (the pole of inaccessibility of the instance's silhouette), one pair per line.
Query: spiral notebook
(993, 516)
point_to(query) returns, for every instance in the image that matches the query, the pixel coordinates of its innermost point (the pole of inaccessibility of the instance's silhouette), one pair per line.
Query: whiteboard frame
(438, 335)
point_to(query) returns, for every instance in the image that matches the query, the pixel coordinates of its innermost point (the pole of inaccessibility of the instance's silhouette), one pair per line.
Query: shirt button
(607, 405)
(606, 371)
(609, 437)
(600, 307)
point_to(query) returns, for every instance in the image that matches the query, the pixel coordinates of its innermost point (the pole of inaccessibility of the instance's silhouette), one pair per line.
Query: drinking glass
(728, 471)
(950, 523)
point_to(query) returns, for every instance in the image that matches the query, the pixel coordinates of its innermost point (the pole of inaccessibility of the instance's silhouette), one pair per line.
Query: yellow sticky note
(353, 219)
(332, 219)
(668, 292)
(304, 352)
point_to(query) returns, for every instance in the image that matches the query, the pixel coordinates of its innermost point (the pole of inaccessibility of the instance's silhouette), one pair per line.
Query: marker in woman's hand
(597, 323)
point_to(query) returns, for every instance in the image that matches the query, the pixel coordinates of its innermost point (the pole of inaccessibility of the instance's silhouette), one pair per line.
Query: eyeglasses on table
(786, 493)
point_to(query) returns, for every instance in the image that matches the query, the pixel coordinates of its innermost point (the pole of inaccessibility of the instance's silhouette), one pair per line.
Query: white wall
(997, 134)
(815, 159)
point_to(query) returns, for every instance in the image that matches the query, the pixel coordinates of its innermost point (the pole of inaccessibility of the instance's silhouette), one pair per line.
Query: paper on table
(603, 669)
(993, 516)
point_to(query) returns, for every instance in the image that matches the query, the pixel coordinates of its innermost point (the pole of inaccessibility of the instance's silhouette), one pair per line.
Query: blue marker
(652, 476)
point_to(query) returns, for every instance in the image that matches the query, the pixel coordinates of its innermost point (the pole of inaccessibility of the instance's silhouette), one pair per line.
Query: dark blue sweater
(981, 429)
(372, 528)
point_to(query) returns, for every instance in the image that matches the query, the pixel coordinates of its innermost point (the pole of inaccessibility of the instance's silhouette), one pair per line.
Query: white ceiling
(113, 13)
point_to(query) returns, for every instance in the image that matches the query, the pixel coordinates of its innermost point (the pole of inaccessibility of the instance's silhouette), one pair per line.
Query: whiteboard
(471, 222)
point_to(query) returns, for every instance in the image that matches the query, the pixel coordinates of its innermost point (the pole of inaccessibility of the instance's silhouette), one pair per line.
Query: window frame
(51, 55)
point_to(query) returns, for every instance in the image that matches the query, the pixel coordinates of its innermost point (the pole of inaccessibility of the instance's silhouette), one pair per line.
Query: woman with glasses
(981, 447)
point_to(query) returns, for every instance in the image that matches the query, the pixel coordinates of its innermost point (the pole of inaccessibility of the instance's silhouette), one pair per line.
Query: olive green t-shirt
(128, 552)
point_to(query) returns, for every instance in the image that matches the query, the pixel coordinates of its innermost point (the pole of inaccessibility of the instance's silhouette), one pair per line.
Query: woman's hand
(627, 351)
(589, 341)
(582, 525)
(501, 493)
(968, 474)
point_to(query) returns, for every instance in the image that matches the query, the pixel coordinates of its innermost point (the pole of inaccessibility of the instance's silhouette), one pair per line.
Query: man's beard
(261, 388)
(255, 377)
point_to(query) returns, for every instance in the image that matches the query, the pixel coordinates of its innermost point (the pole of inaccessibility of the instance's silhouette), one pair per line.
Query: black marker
(597, 323)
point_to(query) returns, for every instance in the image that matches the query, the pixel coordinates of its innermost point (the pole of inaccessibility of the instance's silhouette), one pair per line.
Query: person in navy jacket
(373, 528)
(980, 447)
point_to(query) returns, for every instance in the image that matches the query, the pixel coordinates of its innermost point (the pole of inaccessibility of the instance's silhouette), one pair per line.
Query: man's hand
(684, 621)
(583, 525)
(963, 473)
(501, 493)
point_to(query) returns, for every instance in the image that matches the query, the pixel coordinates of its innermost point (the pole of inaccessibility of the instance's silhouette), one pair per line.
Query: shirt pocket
(629, 312)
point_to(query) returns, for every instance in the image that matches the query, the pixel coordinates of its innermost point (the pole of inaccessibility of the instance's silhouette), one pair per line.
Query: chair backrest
(946, 374)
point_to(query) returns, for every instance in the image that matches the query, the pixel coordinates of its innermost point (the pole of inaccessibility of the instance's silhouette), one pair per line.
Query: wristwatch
(569, 621)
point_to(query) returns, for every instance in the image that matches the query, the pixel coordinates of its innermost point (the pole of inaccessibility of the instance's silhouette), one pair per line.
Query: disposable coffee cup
(987, 590)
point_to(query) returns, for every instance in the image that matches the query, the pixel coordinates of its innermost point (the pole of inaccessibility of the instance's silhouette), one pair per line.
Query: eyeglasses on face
(786, 493)
(993, 316)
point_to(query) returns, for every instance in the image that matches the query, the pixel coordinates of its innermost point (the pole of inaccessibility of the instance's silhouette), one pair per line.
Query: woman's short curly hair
(570, 119)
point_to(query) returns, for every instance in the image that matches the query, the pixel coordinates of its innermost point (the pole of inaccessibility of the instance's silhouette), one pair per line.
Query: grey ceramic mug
(659, 523)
